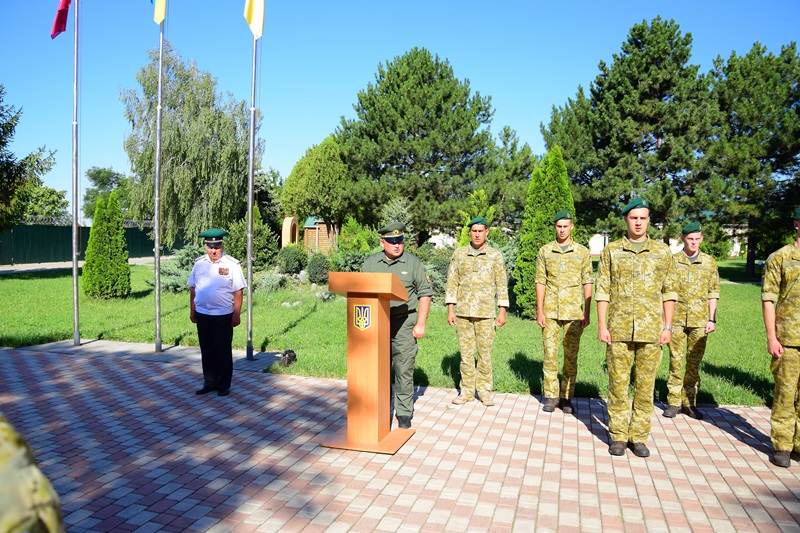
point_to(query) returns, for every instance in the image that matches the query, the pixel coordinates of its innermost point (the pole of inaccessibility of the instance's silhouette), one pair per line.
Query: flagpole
(250, 194)
(157, 195)
(76, 334)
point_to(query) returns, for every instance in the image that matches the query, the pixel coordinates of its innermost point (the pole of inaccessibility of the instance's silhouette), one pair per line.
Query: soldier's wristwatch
(668, 328)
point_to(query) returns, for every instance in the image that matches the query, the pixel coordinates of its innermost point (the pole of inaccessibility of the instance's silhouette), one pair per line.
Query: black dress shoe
(205, 390)
(403, 422)
(617, 448)
(224, 392)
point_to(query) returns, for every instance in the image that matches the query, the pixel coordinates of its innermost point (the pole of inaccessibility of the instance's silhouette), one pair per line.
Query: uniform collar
(628, 245)
(401, 259)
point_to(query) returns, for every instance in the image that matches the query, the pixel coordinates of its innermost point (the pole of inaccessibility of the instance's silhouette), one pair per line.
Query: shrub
(269, 282)
(292, 259)
(265, 243)
(347, 261)
(357, 238)
(437, 267)
(175, 272)
(318, 268)
(106, 272)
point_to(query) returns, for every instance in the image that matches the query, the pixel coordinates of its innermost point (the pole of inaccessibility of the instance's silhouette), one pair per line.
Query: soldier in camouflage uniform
(477, 275)
(563, 268)
(780, 299)
(635, 295)
(407, 318)
(695, 318)
(27, 500)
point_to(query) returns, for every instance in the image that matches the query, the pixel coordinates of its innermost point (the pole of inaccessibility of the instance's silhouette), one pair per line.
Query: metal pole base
(250, 353)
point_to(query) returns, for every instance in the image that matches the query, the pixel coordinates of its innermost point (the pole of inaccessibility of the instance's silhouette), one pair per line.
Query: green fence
(47, 244)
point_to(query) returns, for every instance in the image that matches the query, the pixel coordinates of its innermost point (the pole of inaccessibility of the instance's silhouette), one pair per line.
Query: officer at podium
(407, 318)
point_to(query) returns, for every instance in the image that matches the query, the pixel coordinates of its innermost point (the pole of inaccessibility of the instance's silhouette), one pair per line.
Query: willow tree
(204, 148)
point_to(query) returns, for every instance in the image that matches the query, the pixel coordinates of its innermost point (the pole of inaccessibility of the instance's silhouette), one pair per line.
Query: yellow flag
(160, 11)
(254, 14)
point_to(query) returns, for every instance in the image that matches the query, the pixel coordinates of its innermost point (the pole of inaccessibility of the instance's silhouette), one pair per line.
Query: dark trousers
(215, 334)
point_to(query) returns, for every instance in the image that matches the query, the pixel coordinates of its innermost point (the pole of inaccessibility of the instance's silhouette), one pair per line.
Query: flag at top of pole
(254, 14)
(60, 22)
(160, 11)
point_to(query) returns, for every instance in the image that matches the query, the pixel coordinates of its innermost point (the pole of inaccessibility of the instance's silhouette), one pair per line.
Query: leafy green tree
(398, 210)
(265, 243)
(477, 205)
(548, 194)
(105, 180)
(419, 132)
(507, 185)
(47, 202)
(18, 178)
(204, 148)
(641, 132)
(106, 272)
(318, 185)
(754, 164)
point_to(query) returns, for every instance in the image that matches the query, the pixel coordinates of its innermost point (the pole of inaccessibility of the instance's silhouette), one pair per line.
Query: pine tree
(548, 193)
(106, 272)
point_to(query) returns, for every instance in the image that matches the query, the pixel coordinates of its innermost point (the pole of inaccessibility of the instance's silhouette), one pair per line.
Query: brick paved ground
(130, 447)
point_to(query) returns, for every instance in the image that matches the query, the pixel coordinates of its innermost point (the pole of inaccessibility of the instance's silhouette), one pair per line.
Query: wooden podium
(368, 361)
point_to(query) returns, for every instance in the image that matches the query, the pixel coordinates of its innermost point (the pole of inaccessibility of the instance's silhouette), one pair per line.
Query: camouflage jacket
(474, 279)
(698, 282)
(782, 286)
(412, 275)
(635, 285)
(563, 273)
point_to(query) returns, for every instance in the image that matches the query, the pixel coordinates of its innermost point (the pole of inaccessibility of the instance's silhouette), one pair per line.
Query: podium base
(392, 442)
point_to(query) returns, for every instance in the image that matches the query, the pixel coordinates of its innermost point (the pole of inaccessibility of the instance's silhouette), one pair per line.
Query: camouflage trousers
(785, 433)
(644, 358)
(404, 355)
(551, 336)
(690, 342)
(476, 333)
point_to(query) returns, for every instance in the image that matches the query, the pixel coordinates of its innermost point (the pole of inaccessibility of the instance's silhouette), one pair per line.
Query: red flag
(60, 22)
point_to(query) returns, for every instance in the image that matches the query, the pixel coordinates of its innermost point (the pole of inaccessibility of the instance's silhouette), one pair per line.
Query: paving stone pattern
(130, 447)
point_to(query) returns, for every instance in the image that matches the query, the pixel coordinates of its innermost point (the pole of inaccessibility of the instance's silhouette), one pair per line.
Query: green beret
(478, 220)
(691, 227)
(564, 213)
(395, 229)
(796, 214)
(213, 236)
(635, 204)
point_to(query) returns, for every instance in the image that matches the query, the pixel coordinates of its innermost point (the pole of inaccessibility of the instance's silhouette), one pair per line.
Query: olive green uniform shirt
(635, 285)
(474, 279)
(698, 282)
(782, 286)
(563, 273)
(412, 274)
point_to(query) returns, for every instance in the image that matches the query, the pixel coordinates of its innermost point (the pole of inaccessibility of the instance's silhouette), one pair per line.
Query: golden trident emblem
(362, 316)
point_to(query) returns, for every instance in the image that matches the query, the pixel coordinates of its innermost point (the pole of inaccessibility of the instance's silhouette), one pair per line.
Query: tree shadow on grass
(528, 371)
(763, 388)
(451, 366)
(268, 339)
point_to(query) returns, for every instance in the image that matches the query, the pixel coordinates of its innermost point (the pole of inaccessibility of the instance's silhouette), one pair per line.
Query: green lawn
(735, 369)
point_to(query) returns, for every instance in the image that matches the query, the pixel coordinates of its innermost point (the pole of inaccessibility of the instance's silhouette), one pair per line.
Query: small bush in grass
(269, 282)
(318, 268)
(175, 273)
(350, 261)
(106, 272)
(292, 259)
(265, 243)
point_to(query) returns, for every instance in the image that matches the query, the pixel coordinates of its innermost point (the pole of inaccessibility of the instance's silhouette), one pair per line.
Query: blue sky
(315, 56)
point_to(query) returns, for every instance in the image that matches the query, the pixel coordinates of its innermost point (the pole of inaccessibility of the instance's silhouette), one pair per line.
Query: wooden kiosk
(368, 361)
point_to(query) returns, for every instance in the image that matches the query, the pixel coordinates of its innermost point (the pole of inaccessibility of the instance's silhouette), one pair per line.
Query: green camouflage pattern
(551, 335)
(28, 502)
(475, 278)
(635, 284)
(785, 418)
(691, 343)
(625, 424)
(782, 286)
(563, 273)
(476, 333)
(412, 274)
(697, 283)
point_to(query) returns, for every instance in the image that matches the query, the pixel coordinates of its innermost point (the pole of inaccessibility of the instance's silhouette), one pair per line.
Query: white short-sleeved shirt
(215, 283)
